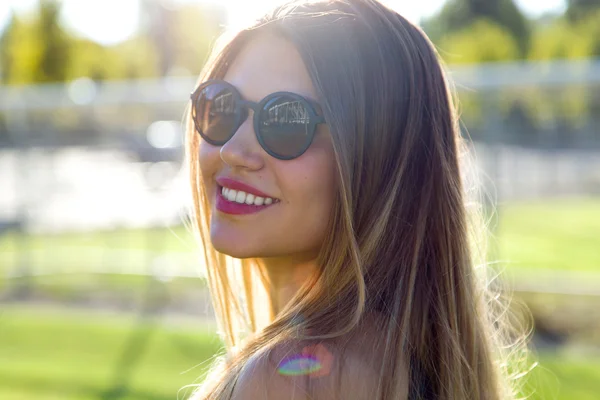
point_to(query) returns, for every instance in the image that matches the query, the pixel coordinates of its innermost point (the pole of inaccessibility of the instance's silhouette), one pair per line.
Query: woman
(324, 155)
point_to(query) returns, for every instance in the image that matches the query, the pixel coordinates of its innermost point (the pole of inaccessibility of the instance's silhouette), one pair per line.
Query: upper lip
(237, 185)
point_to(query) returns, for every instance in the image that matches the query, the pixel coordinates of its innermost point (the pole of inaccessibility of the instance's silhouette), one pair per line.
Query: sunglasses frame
(240, 115)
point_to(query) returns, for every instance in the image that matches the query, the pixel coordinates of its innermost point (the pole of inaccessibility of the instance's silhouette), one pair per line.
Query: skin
(287, 236)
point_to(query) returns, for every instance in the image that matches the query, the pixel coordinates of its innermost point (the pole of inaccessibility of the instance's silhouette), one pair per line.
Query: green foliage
(56, 44)
(21, 51)
(463, 37)
(457, 14)
(481, 41)
(580, 9)
(565, 39)
(92, 60)
(35, 48)
(458, 26)
(133, 59)
(193, 35)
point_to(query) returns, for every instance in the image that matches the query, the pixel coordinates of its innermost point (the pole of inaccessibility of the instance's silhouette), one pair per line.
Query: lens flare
(314, 361)
(299, 365)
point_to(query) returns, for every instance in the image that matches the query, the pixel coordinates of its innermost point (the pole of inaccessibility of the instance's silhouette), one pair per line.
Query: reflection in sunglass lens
(284, 126)
(215, 113)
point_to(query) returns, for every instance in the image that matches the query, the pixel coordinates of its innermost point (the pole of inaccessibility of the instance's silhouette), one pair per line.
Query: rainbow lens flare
(299, 365)
(314, 361)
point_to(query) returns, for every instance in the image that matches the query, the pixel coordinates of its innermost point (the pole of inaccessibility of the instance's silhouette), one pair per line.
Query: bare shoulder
(366, 351)
(316, 370)
(269, 376)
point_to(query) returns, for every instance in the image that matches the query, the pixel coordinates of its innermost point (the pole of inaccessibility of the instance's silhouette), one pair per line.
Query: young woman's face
(303, 189)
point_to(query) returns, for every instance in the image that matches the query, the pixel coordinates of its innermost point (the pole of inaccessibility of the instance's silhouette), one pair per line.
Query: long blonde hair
(399, 243)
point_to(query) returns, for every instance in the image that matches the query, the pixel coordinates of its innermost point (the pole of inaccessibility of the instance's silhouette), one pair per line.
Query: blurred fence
(536, 126)
(91, 155)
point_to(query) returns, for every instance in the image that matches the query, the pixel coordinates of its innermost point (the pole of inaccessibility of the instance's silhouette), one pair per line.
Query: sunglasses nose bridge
(248, 110)
(248, 106)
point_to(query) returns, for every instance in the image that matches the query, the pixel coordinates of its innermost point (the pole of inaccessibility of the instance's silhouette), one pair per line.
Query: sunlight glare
(106, 22)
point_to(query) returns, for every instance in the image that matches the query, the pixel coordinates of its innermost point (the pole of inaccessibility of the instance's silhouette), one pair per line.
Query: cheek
(320, 196)
(324, 200)
(313, 185)
(209, 162)
(326, 187)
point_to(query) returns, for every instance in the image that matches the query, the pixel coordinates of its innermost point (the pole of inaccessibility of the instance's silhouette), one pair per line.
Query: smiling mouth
(244, 198)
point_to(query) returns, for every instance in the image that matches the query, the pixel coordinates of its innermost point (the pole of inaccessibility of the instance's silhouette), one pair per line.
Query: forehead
(268, 64)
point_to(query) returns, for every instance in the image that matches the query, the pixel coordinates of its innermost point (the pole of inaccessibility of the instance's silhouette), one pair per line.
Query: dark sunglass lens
(285, 126)
(214, 113)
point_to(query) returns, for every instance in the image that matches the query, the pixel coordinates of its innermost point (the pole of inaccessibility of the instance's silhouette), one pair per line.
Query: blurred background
(100, 291)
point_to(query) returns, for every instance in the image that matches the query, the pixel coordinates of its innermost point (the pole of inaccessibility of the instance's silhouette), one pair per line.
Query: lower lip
(231, 207)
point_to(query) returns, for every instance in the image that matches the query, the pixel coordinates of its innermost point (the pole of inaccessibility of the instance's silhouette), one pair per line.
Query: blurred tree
(5, 54)
(35, 48)
(135, 58)
(90, 59)
(564, 38)
(181, 34)
(585, 14)
(569, 39)
(578, 9)
(55, 43)
(173, 40)
(559, 40)
(21, 51)
(457, 14)
(158, 28)
(481, 41)
(196, 30)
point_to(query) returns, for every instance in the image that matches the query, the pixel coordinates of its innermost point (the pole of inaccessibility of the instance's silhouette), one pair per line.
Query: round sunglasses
(284, 122)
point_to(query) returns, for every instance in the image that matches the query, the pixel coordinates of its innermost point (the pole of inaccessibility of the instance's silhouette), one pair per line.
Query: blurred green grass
(549, 234)
(49, 354)
(70, 266)
(579, 376)
(564, 376)
(96, 250)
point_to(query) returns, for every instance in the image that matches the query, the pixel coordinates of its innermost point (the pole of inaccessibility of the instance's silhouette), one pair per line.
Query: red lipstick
(235, 208)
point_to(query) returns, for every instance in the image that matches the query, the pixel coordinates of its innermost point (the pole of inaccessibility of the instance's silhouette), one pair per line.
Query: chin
(236, 250)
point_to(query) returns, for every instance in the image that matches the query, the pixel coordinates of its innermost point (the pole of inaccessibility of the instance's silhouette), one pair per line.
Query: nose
(243, 150)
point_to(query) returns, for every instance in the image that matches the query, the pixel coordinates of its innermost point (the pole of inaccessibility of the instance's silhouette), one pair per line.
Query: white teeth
(231, 195)
(241, 197)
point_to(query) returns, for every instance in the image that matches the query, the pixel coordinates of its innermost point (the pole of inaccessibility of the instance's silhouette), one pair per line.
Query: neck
(286, 276)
